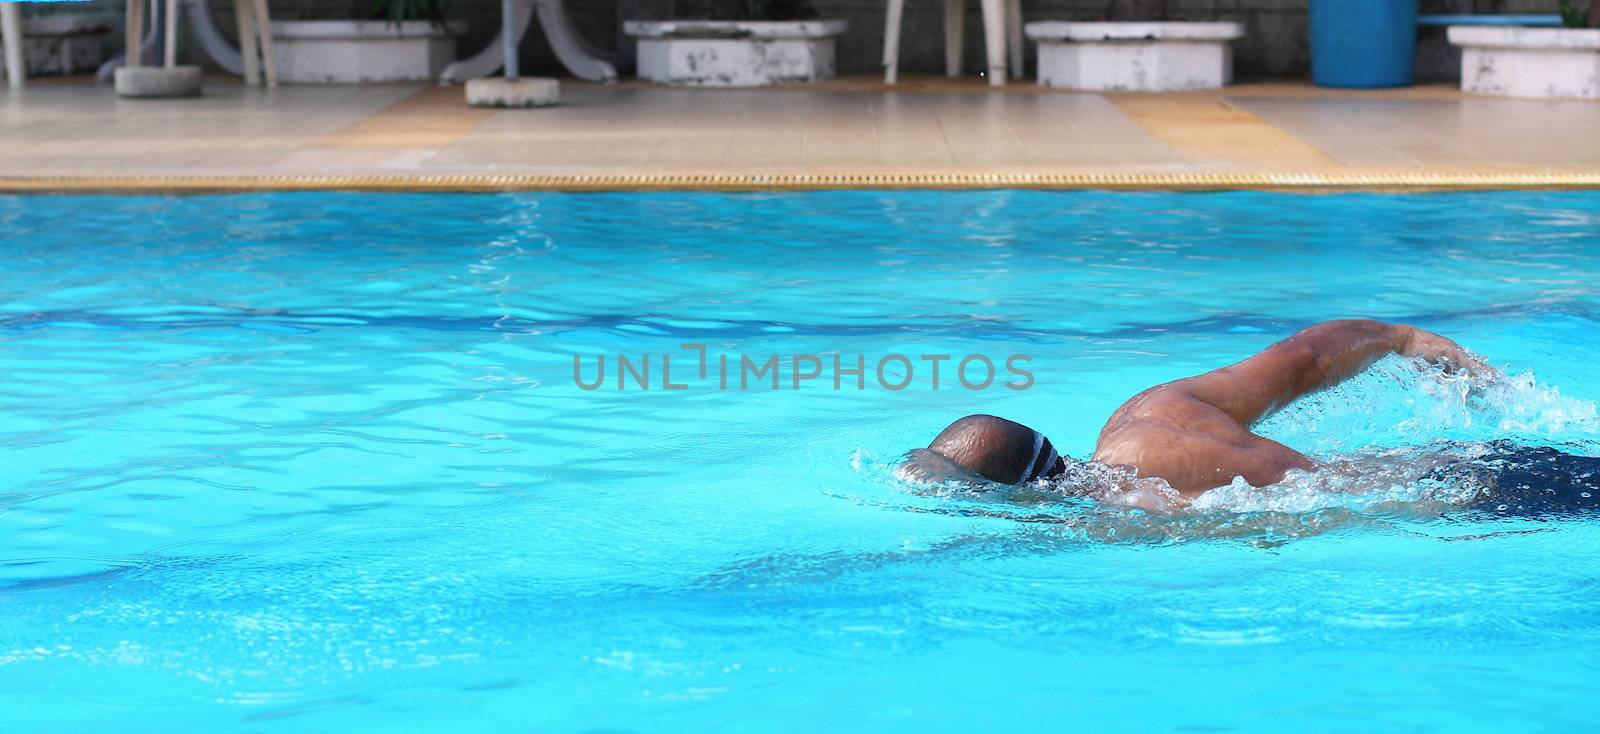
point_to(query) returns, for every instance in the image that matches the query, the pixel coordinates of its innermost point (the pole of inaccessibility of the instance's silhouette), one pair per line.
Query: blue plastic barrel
(1363, 43)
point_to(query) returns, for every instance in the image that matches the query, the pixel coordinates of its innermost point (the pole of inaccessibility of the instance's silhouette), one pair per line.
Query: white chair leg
(244, 16)
(172, 34)
(1014, 37)
(994, 40)
(11, 36)
(269, 59)
(134, 56)
(893, 14)
(955, 34)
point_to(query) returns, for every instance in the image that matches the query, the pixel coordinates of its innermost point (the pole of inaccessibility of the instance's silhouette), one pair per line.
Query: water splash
(1418, 481)
(1090, 503)
(1402, 402)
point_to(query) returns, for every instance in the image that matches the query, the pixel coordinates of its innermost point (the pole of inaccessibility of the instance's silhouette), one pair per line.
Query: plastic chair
(255, 37)
(253, 60)
(1002, 30)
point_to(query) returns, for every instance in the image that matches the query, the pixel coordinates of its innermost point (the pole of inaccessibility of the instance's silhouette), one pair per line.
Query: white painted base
(526, 92)
(1529, 62)
(354, 51)
(1134, 57)
(734, 54)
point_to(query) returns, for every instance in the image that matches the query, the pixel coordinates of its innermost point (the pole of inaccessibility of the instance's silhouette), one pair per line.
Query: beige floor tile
(925, 125)
(1462, 131)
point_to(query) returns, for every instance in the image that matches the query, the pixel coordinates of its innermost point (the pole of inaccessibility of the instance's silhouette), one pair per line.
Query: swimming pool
(313, 462)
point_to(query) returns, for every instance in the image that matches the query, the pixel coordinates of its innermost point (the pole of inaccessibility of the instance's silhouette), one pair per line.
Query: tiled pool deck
(72, 134)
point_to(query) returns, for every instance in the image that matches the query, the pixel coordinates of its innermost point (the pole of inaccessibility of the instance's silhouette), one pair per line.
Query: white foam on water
(1403, 402)
(1371, 479)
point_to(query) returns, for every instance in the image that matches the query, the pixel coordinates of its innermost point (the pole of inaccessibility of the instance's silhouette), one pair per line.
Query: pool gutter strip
(564, 182)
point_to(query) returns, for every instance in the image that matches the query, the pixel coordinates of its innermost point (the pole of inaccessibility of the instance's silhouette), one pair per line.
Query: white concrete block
(525, 92)
(157, 81)
(1529, 62)
(1134, 57)
(354, 51)
(734, 53)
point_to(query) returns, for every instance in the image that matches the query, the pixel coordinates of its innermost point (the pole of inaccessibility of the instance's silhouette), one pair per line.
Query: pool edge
(1386, 181)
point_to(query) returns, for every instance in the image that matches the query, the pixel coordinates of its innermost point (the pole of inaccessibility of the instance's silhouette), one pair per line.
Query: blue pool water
(318, 462)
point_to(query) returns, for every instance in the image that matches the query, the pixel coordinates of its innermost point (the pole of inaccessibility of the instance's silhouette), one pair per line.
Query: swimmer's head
(993, 448)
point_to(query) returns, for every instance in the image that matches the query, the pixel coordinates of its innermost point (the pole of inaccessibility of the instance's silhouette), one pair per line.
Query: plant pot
(1363, 43)
(62, 43)
(353, 51)
(734, 53)
(1529, 62)
(1134, 57)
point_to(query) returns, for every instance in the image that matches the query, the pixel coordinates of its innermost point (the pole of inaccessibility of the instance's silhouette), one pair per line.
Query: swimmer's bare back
(1195, 432)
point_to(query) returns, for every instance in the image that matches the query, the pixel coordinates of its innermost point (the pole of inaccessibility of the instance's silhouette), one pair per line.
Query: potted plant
(1135, 49)
(751, 43)
(1534, 62)
(403, 41)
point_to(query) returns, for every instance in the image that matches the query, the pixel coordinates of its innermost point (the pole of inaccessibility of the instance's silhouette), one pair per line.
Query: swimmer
(1194, 433)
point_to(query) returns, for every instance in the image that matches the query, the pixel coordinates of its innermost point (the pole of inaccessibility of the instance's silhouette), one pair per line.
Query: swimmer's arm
(1317, 358)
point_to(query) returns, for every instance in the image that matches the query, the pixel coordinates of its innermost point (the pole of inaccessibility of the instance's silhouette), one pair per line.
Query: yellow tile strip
(432, 118)
(1205, 128)
(479, 182)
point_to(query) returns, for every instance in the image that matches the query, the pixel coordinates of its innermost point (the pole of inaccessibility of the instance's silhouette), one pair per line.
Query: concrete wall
(1277, 42)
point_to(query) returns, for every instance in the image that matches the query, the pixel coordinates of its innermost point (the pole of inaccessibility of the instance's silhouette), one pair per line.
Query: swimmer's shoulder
(1168, 433)
(1161, 411)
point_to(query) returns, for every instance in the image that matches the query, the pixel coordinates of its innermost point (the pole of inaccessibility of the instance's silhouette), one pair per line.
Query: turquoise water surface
(319, 462)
